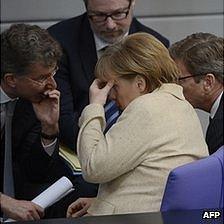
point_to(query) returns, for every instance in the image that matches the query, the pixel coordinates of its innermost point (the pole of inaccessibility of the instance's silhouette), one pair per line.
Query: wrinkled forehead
(107, 5)
(39, 66)
(181, 66)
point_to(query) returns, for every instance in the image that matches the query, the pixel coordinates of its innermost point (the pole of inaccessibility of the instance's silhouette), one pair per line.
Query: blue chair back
(196, 185)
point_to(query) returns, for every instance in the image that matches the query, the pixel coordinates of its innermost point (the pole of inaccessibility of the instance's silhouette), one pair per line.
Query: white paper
(52, 194)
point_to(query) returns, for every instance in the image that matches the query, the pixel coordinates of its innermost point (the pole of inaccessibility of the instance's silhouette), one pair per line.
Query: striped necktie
(111, 113)
(111, 110)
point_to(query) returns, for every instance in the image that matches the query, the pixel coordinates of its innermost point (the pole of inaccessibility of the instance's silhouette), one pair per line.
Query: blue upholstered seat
(196, 185)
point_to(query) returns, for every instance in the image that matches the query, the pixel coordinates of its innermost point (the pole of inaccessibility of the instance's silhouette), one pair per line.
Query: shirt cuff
(49, 149)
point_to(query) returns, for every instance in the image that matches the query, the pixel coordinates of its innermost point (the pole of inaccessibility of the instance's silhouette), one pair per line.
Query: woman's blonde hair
(138, 54)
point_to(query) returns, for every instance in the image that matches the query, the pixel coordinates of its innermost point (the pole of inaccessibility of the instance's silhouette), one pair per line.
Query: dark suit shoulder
(136, 26)
(219, 113)
(214, 135)
(68, 30)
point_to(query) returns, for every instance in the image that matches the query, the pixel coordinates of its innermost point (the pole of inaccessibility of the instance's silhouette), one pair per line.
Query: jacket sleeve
(36, 163)
(104, 158)
(29, 156)
(68, 122)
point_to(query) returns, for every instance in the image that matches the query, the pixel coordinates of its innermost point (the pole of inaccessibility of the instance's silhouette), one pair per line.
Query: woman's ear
(141, 84)
(10, 80)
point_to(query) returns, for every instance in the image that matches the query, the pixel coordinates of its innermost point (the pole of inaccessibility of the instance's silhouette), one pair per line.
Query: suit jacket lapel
(219, 112)
(87, 50)
(133, 28)
(218, 116)
(21, 120)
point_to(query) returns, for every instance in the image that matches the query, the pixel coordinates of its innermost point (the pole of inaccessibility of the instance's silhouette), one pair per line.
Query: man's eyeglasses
(189, 76)
(42, 79)
(117, 15)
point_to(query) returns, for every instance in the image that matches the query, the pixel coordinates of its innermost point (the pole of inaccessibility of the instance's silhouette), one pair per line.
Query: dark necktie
(111, 113)
(100, 52)
(8, 182)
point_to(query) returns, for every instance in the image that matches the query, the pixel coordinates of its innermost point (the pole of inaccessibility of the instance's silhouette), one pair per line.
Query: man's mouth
(112, 33)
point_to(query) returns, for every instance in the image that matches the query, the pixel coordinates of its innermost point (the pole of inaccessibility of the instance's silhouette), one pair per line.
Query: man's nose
(51, 83)
(110, 23)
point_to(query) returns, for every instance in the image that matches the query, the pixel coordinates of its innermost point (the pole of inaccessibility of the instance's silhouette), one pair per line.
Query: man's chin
(35, 99)
(111, 39)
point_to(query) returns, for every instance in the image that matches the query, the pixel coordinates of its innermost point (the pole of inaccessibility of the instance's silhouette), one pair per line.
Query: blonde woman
(157, 131)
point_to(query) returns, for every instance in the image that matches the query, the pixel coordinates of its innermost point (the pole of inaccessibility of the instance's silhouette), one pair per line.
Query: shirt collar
(100, 44)
(215, 106)
(4, 98)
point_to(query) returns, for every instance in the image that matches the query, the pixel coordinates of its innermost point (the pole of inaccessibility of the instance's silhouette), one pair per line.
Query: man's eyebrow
(114, 11)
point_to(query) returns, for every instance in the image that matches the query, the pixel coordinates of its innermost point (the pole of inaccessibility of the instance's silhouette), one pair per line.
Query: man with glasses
(200, 60)
(83, 39)
(29, 118)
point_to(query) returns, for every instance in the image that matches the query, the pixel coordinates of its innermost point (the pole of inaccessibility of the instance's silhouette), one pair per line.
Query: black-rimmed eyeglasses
(189, 76)
(117, 15)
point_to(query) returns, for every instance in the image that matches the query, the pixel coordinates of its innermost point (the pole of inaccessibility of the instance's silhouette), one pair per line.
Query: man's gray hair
(86, 2)
(23, 45)
(201, 53)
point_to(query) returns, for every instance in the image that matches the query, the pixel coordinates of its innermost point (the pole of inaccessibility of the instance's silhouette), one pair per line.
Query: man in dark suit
(29, 59)
(200, 60)
(82, 39)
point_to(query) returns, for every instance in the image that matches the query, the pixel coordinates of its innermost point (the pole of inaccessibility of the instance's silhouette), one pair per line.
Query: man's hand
(99, 95)
(79, 207)
(47, 111)
(20, 210)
